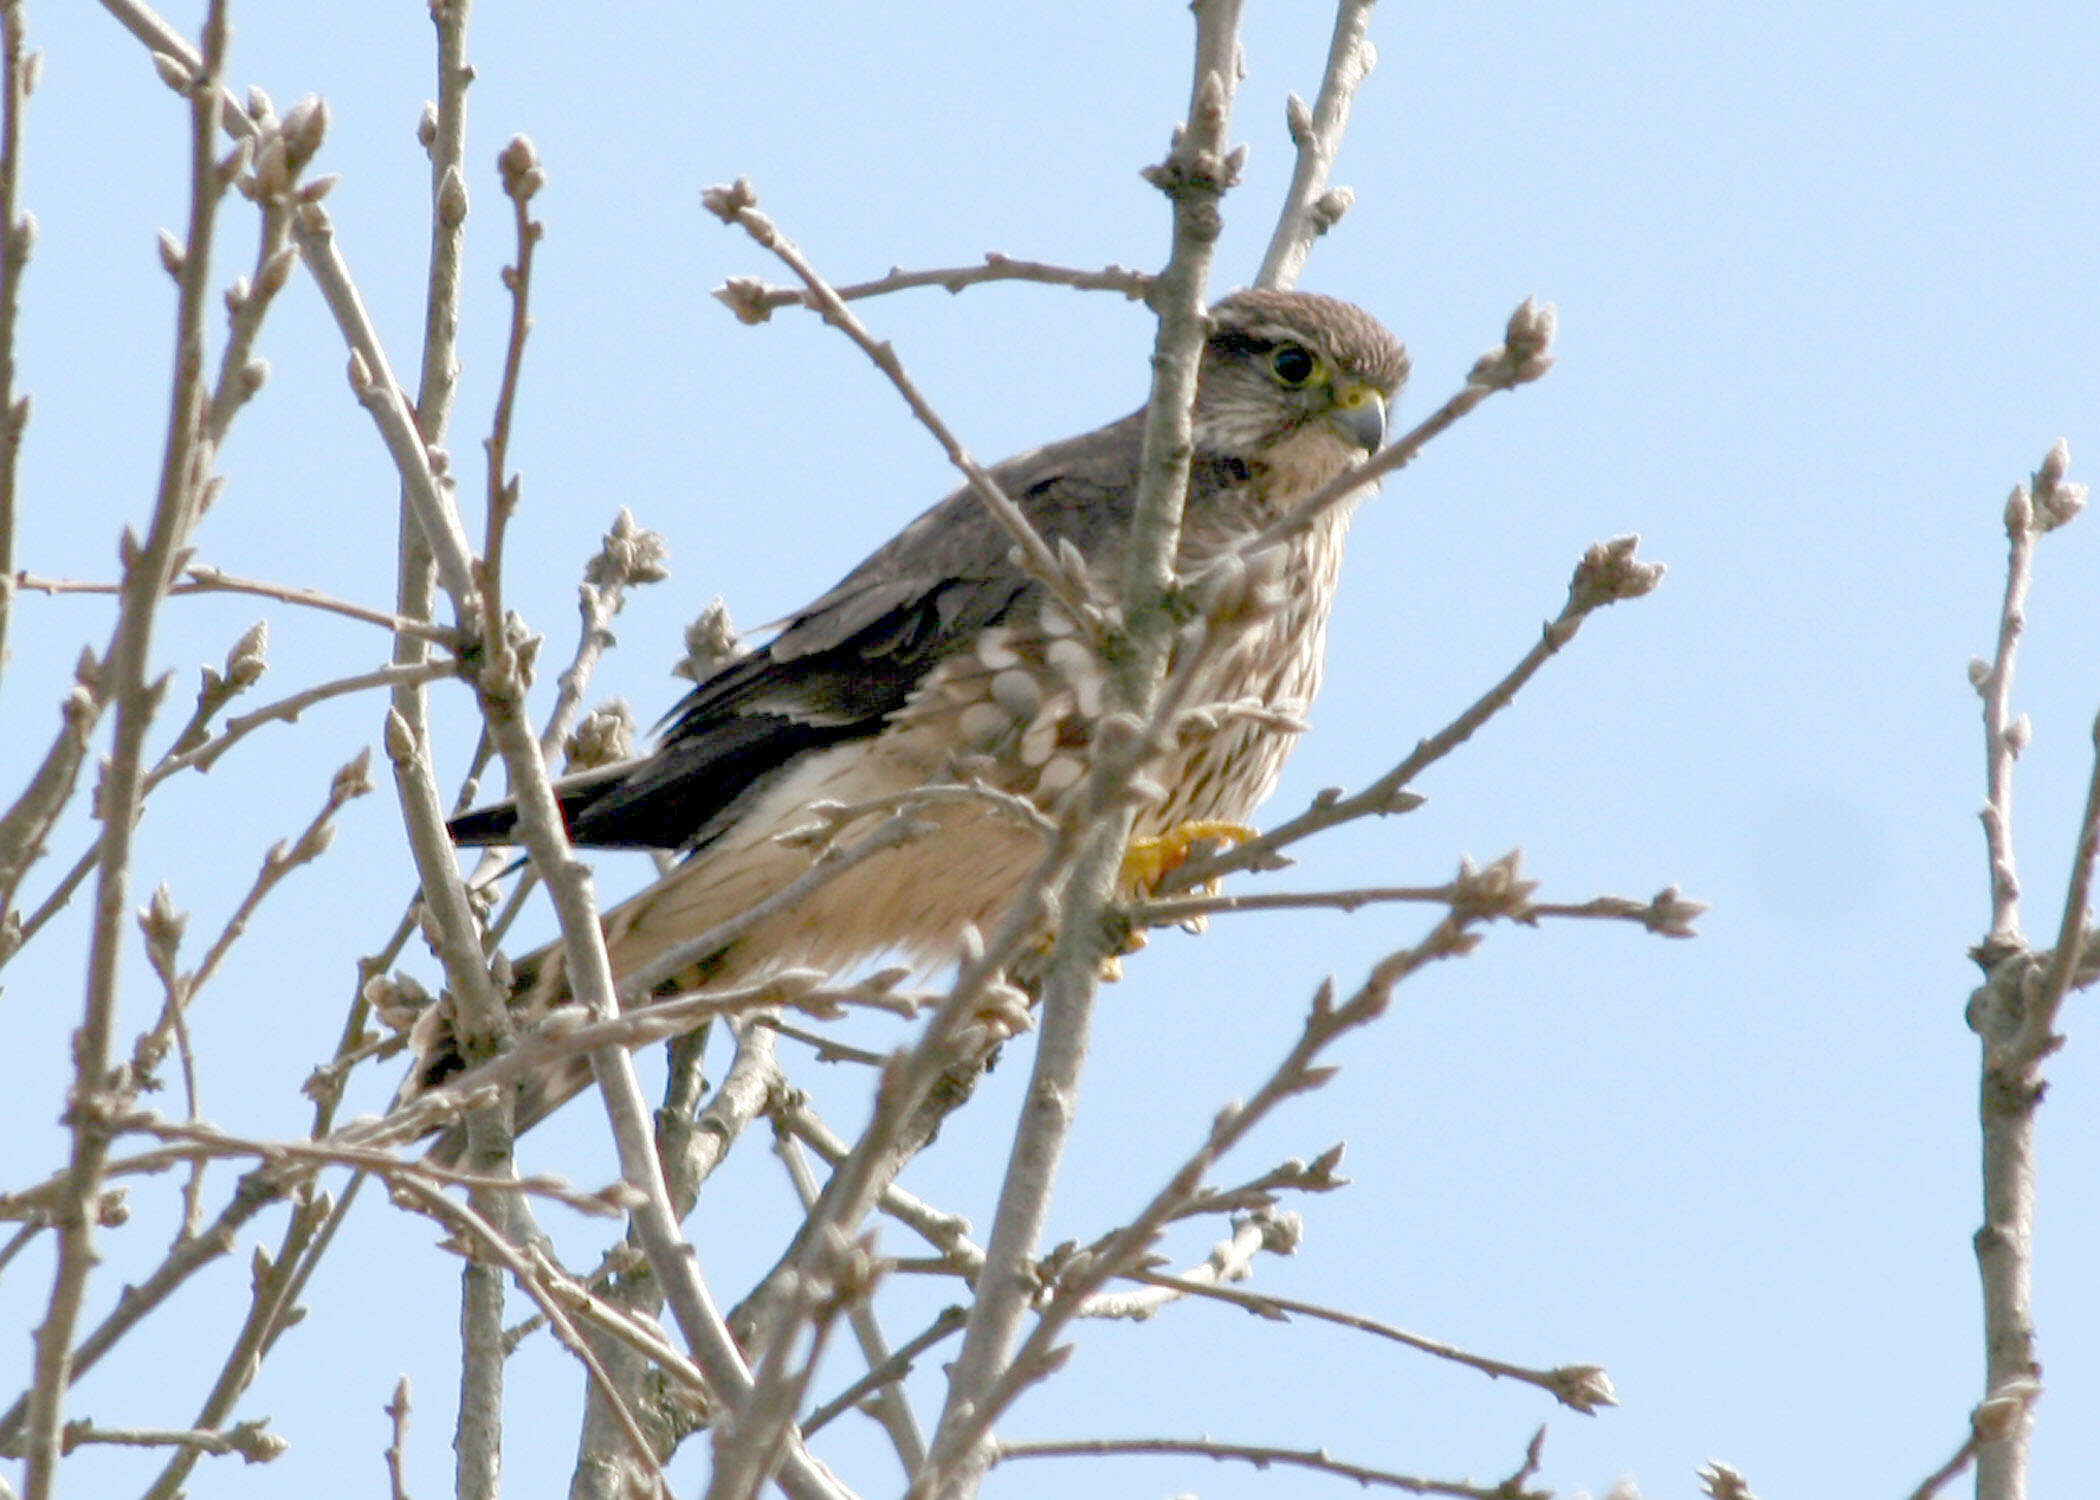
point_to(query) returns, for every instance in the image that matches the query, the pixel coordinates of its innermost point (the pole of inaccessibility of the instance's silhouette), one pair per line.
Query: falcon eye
(1293, 365)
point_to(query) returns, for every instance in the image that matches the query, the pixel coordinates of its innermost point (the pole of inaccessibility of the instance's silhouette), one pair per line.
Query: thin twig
(250, 1440)
(1668, 913)
(200, 578)
(25, 826)
(2014, 1012)
(1582, 1387)
(1194, 177)
(590, 979)
(2003, 1415)
(737, 205)
(754, 302)
(1309, 209)
(18, 72)
(1498, 890)
(890, 1371)
(148, 569)
(945, 1232)
(1262, 1457)
(886, 1404)
(396, 1454)
(1608, 572)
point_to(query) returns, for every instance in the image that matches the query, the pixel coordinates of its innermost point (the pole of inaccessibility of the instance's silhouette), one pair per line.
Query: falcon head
(1296, 382)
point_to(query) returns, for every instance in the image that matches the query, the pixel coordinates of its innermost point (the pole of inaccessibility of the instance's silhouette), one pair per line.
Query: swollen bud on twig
(710, 644)
(604, 738)
(745, 296)
(1297, 118)
(172, 72)
(172, 256)
(1526, 351)
(2019, 512)
(248, 658)
(353, 779)
(452, 198)
(427, 125)
(305, 126)
(163, 927)
(1720, 1482)
(1328, 208)
(628, 555)
(519, 164)
(2056, 501)
(398, 739)
(725, 203)
(1610, 571)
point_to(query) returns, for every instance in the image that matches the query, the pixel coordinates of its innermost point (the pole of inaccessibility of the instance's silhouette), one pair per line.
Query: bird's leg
(1152, 857)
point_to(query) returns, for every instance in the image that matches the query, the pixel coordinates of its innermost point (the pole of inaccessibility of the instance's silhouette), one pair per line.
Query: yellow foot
(1150, 860)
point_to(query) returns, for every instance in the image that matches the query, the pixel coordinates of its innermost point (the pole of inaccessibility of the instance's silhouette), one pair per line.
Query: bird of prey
(939, 658)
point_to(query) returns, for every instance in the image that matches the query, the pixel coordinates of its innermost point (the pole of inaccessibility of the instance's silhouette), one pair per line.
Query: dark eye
(1293, 365)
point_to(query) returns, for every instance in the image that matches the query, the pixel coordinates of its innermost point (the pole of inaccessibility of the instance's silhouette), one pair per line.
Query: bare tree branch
(1608, 572)
(737, 204)
(1195, 176)
(1317, 1460)
(2014, 1012)
(149, 567)
(200, 578)
(755, 302)
(19, 69)
(1309, 209)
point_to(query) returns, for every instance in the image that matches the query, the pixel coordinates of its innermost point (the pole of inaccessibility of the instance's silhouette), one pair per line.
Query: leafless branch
(200, 578)
(753, 301)
(2014, 1012)
(895, 1368)
(884, 1402)
(25, 825)
(1231, 1259)
(1585, 1388)
(945, 1232)
(1608, 572)
(251, 1440)
(148, 569)
(1262, 1457)
(2003, 1415)
(1498, 890)
(19, 69)
(1668, 913)
(737, 204)
(396, 1450)
(1309, 208)
(1197, 172)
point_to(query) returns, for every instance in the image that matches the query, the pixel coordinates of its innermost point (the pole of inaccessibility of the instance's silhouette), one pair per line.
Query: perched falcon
(939, 657)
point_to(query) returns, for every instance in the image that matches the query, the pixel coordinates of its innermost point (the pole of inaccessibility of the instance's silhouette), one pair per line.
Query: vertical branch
(18, 72)
(2014, 1013)
(1195, 175)
(443, 133)
(1309, 208)
(653, 1219)
(2000, 739)
(148, 569)
(522, 178)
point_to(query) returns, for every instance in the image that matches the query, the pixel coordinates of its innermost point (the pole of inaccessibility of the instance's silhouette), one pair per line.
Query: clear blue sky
(1825, 276)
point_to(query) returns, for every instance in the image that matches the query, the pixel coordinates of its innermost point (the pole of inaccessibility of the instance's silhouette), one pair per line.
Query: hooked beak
(1359, 415)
